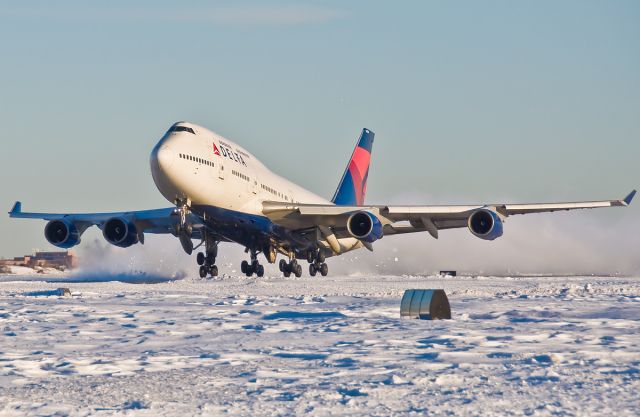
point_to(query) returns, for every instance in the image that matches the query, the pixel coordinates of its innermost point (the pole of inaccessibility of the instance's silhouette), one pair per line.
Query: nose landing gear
(184, 228)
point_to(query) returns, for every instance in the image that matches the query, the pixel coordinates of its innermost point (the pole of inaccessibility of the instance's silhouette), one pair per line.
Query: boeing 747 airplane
(222, 193)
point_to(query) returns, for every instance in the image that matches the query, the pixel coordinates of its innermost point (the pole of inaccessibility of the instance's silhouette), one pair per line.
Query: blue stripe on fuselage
(243, 228)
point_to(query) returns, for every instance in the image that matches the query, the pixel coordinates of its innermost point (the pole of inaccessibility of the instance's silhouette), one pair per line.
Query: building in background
(60, 260)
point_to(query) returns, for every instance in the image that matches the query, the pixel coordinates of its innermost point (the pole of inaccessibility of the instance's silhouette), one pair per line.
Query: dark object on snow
(450, 273)
(425, 305)
(59, 292)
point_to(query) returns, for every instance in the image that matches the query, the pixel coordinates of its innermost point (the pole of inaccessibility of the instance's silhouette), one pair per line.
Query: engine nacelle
(364, 226)
(62, 233)
(485, 224)
(120, 232)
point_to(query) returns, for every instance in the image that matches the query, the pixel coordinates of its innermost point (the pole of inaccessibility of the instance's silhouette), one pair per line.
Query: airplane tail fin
(353, 185)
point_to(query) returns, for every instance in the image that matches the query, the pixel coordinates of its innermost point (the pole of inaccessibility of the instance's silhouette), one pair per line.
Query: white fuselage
(203, 168)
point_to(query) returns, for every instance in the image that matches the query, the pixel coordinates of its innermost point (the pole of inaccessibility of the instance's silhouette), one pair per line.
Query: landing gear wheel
(298, 270)
(207, 259)
(324, 269)
(320, 257)
(244, 267)
(311, 257)
(260, 271)
(291, 267)
(312, 270)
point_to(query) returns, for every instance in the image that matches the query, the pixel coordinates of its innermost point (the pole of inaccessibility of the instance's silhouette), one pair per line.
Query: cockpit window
(181, 129)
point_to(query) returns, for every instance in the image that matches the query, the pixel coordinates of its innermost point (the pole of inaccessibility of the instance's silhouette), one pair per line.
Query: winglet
(627, 199)
(17, 208)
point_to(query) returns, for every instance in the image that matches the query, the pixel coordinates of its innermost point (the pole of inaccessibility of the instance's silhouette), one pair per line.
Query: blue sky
(470, 101)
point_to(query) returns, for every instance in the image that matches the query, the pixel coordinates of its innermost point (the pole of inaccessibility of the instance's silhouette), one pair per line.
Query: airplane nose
(164, 157)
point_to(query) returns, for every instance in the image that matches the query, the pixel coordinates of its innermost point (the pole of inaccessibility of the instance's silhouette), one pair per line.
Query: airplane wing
(420, 218)
(157, 221)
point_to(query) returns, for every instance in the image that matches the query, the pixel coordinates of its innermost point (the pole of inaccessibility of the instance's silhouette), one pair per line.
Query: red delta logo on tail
(359, 171)
(215, 150)
(353, 186)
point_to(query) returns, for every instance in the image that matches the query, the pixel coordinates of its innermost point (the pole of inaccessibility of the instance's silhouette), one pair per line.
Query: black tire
(287, 274)
(210, 259)
(260, 271)
(283, 265)
(200, 258)
(312, 270)
(320, 257)
(214, 271)
(311, 256)
(324, 270)
(298, 271)
(244, 267)
(203, 271)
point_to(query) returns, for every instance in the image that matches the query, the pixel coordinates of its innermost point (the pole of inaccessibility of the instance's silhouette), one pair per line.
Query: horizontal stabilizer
(17, 208)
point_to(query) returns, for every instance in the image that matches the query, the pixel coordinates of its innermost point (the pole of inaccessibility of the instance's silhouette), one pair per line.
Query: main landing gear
(317, 264)
(252, 268)
(291, 267)
(207, 260)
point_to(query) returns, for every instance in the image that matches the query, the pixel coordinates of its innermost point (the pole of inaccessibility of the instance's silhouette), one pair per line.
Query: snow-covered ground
(145, 345)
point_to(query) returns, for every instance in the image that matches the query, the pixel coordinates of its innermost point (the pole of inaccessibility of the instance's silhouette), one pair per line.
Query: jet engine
(485, 224)
(364, 226)
(120, 232)
(62, 233)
